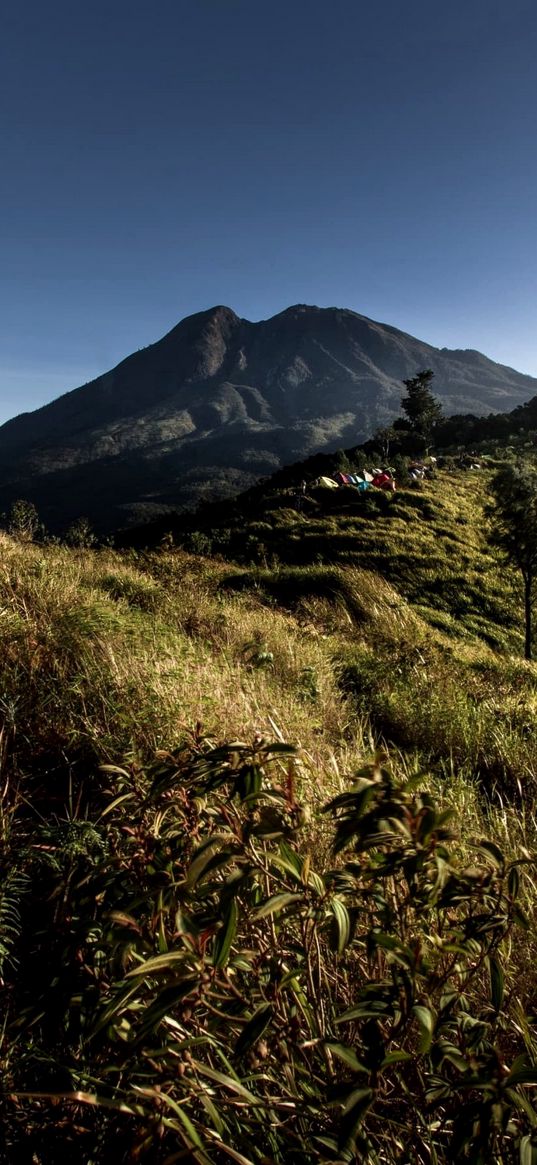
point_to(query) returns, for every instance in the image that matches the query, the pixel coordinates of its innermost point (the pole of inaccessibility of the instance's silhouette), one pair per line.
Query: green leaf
(316, 883)
(521, 1102)
(164, 1003)
(213, 1113)
(156, 965)
(369, 1009)
(277, 903)
(114, 1008)
(228, 1082)
(347, 1055)
(492, 851)
(203, 856)
(254, 1029)
(528, 1152)
(426, 1021)
(191, 1133)
(387, 942)
(521, 1076)
(90, 1098)
(248, 782)
(513, 882)
(294, 870)
(225, 936)
(125, 920)
(520, 917)
(117, 800)
(355, 1109)
(343, 921)
(451, 1053)
(395, 1058)
(290, 855)
(497, 983)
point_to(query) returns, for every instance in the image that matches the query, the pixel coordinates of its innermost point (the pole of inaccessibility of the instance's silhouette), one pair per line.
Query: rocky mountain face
(219, 402)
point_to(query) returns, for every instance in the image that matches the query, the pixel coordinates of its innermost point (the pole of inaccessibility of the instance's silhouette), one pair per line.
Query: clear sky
(161, 157)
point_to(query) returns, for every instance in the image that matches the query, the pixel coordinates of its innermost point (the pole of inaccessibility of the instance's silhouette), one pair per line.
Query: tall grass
(101, 658)
(136, 825)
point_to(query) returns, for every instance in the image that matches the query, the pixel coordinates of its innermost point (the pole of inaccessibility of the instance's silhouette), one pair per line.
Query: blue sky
(161, 158)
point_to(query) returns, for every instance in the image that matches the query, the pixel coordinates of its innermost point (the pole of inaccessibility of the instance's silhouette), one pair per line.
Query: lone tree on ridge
(423, 410)
(514, 528)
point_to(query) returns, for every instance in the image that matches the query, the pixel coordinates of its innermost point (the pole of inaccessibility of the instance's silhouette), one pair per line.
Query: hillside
(427, 541)
(421, 553)
(221, 401)
(183, 953)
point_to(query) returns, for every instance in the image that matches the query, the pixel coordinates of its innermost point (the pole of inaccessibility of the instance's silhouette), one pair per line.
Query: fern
(12, 891)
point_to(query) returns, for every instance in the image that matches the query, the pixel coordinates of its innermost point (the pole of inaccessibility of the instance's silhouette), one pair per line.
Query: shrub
(81, 534)
(216, 992)
(23, 521)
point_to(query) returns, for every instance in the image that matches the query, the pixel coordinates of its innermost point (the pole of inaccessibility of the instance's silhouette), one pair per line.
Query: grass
(429, 543)
(107, 654)
(405, 637)
(102, 658)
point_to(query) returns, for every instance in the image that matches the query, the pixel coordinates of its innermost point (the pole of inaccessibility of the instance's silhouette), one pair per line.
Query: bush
(81, 535)
(23, 521)
(213, 991)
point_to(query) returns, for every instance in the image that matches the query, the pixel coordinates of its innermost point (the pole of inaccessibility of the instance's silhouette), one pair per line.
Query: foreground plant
(227, 995)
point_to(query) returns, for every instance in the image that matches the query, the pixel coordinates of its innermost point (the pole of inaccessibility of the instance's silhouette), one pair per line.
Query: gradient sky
(160, 158)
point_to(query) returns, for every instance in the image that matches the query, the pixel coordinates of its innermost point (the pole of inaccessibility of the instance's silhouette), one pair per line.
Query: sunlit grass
(349, 635)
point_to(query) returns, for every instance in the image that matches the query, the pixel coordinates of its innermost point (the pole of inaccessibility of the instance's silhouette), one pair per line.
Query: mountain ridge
(219, 401)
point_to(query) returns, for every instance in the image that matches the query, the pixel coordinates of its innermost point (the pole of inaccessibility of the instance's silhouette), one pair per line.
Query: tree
(514, 528)
(423, 410)
(384, 439)
(23, 521)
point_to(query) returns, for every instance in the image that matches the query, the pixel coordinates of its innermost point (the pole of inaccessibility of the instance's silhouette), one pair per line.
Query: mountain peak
(221, 312)
(220, 315)
(219, 401)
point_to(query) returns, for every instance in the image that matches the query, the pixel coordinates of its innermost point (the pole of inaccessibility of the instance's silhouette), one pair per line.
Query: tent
(384, 481)
(327, 483)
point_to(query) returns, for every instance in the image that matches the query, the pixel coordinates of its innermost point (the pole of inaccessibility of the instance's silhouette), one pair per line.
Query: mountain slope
(219, 401)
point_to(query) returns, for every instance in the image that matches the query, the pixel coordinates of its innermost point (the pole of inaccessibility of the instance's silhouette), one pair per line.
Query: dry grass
(102, 658)
(108, 656)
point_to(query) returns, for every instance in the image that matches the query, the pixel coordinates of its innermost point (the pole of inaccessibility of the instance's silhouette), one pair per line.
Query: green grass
(388, 626)
(429, 543)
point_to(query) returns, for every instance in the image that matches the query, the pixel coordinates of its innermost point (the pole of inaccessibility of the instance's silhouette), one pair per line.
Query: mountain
(221, 401)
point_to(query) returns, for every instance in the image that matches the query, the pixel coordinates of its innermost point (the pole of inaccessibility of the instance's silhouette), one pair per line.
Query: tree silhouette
(423, 410)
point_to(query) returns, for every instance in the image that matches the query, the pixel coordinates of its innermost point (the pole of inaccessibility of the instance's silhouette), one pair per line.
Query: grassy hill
(429, 542)
(190, 970)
